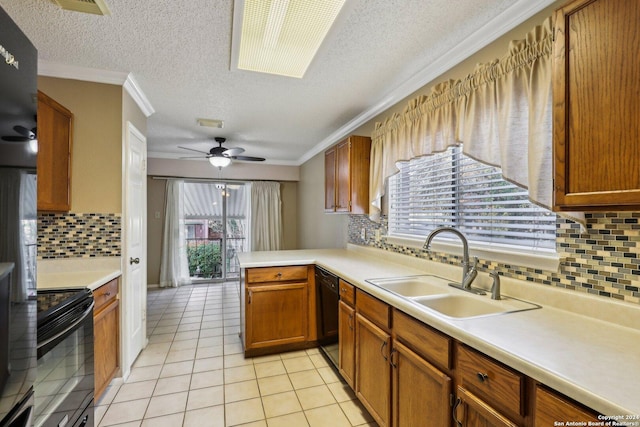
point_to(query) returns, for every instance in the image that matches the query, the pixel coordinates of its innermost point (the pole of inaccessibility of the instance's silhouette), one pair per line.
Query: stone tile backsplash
(79, 235)
(605, 260)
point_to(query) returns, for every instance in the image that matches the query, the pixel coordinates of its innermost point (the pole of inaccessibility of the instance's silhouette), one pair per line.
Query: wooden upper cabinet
(55, 124)
(346, 171)
(330, 179)
(596, 105)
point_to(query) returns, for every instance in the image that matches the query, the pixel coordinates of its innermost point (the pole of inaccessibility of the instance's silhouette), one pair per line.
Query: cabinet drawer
(488, 379)
(373, 309)
(104, 294)
(347, 293)
(551, 407)
(276, 274)
(430, 344)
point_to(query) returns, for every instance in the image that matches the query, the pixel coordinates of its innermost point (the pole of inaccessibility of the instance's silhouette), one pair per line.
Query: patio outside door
(216, 224)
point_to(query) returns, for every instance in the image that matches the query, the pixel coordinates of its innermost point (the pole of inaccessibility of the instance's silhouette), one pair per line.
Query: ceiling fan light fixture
(219, 161)
(282, 36)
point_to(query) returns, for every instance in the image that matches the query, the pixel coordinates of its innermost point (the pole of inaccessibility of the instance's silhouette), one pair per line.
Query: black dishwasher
(327, 312)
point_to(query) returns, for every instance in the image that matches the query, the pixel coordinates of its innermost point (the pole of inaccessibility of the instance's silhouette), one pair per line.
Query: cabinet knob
(482, 377)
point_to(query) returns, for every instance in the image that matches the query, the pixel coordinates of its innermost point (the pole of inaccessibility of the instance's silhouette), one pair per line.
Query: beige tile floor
(193, 373)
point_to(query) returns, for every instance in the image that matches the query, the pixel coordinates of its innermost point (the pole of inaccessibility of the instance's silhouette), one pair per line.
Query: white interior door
(134, 288)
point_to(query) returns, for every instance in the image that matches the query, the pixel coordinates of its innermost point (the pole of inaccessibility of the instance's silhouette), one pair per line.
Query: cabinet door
(421, 393)
(551, 407)
(373, 371)
(347, 343)
(105, 342)
(343, 180)
(54, 155)
(471, 411)
(276, 314)
(330, 180)
(596, 105)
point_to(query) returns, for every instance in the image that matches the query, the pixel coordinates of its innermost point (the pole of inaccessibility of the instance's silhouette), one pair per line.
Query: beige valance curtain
(501, 112)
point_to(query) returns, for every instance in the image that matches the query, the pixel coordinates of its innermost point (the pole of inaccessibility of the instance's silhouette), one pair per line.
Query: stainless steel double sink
(434, 294)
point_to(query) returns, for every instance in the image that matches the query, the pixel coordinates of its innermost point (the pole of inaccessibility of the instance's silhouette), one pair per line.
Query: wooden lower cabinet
(471, 411)
(421, 392)
(551, 407)
(373, 370)
(106, 326)
(276, 314)
(347, 343)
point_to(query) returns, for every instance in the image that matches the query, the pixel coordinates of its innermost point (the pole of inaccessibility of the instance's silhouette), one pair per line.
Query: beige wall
(96, 171)
(155, 206)
(317, 229)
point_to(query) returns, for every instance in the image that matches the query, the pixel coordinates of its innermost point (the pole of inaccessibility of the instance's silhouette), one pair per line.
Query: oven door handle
(71, 327)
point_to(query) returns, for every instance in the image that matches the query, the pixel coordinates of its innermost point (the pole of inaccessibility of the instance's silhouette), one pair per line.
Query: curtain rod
(172, 178)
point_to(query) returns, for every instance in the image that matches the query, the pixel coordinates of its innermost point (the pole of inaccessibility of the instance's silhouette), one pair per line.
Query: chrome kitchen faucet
(469, 271)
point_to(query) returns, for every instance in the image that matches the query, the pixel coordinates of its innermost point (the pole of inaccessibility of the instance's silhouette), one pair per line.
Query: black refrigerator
(18, 224)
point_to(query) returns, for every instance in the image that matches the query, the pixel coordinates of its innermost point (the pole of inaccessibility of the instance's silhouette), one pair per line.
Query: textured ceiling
(180, 53)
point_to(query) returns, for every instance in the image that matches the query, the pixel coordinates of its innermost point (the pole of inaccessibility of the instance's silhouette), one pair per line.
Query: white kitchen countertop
(88, 273)
(584, 346)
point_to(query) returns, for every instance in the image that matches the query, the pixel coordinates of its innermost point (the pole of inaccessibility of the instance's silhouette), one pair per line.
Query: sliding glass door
(216, 215)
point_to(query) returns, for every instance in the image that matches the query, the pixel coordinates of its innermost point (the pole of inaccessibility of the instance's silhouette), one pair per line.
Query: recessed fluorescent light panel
(212, 123)
(282, 36)
(96, 7)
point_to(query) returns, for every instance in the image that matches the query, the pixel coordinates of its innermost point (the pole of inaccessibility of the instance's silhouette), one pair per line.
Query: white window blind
(451, 189)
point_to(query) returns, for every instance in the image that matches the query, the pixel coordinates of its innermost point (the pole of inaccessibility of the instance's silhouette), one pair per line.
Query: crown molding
(73, 72)
(119, 78)
(133, 89)
(516, 14)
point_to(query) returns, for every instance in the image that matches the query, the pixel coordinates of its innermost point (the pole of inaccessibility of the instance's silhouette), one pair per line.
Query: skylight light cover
(282, 36)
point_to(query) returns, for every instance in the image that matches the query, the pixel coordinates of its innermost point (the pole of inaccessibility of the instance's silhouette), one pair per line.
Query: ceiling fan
(220, 156)
(24, 134)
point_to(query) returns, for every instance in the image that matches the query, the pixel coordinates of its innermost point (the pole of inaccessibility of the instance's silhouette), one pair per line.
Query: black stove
(65, 381)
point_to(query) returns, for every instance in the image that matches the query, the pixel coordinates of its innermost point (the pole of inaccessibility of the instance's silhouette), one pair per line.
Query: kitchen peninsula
(563, 346)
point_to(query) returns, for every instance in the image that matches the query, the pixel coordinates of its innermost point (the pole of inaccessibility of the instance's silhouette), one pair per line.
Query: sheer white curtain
(266, 216)
(174, 267)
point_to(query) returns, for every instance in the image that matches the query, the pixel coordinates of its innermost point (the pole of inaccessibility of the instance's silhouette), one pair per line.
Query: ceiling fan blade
(195, 157)
(191, 149)
(248, 158)
(230, 152)
(24, 132)
(15, 138)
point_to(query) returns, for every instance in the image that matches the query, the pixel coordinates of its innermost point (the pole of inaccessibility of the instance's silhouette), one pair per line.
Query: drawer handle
(455, 412)
(482, 377)
(106, 294)
(384, 344)
(279, 275)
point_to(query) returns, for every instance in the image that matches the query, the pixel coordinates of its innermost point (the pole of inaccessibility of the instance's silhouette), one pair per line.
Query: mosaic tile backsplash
(605, 260)
(79, 235)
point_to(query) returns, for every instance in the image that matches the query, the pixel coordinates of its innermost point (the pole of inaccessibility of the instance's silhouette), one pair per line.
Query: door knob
(134, 260)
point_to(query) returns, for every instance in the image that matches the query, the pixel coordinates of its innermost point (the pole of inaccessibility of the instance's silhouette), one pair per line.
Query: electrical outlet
(378, 234)
(363, 233)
